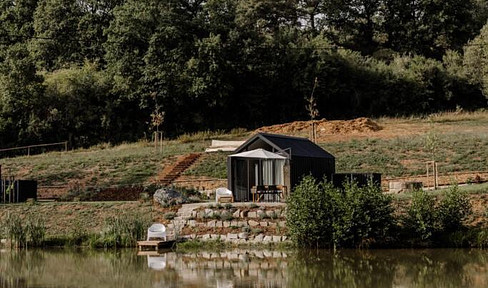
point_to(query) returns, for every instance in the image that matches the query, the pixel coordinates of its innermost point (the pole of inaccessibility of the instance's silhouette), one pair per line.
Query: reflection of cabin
(275, 164)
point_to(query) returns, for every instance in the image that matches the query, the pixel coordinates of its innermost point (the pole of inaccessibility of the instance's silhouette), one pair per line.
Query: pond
(245, 268)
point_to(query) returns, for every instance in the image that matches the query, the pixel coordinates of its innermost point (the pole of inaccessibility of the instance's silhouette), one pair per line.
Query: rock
(242, 224)
(253, 223)
(263, 224)
(191, 236)
(243, 235)
(236, 214)
(252, 215)
(276, 239)
(192, 223)
(209, 213)
(218, 224)
(214, 236)
(259, 238)
(226, 224)
(233, 223)
(267, 239)
(282, 223)
(211, 223)
(206, 237)
(167, 196)
(272, 224)
(283, 238)
(243, 214)
(231, 236)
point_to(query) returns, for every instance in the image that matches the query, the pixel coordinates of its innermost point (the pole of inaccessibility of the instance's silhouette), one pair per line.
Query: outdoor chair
(223, 194)
(156, 230)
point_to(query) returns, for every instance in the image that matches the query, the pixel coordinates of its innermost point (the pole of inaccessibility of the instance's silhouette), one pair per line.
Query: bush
(363, 215)
(421, 215)
(320, 215)
(453, 209)
(310, 213)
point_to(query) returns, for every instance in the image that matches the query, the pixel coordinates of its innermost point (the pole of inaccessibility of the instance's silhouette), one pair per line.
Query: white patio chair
(156, 230)
(223, 193)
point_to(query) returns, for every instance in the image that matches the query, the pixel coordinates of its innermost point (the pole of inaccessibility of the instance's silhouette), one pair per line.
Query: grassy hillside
(458, 141)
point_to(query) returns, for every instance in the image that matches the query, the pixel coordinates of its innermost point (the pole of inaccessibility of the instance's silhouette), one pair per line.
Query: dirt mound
(358, 125)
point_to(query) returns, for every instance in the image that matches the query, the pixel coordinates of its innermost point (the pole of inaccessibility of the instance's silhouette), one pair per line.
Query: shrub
(319, 214)
(420, 218)
(453, 209)
(362, 215)
(310, 213)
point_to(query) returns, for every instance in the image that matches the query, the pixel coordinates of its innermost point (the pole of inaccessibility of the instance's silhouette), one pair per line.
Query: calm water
(246, 268)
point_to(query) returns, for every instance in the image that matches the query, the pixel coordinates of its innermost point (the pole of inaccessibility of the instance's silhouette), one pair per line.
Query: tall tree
(96, 16)
(430, 28)
(57, 42)
(355, 24)
(476, 60)
(21, 97)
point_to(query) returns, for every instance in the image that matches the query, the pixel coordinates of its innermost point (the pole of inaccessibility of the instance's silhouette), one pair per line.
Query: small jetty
(154, 245)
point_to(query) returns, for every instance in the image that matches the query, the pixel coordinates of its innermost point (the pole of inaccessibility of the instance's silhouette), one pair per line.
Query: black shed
(270, 159)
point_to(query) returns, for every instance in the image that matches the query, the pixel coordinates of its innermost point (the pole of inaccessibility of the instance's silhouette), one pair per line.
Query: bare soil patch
(325, 128)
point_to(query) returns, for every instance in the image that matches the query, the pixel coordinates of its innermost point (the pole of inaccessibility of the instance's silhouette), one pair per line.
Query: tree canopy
(89, 71)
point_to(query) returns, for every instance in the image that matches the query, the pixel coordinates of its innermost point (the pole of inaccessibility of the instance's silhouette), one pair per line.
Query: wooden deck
(154, 245)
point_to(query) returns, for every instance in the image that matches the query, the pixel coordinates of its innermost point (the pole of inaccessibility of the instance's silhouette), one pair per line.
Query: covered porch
(258, 176)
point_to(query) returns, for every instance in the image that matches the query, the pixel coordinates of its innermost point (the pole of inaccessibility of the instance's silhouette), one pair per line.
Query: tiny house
(275, 163)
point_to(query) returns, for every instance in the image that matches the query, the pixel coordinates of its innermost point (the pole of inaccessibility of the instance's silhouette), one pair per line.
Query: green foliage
(421, 215)
(310, 213)
(453, 209)
(320, 215)
(15, 230)
(24, 232)
(122, 231)
(429, 219)
(363, 216)
(201, 61)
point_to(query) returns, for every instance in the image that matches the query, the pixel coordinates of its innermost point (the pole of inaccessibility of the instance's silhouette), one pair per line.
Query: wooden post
(427, 179)
(436, 181)
(65, 146)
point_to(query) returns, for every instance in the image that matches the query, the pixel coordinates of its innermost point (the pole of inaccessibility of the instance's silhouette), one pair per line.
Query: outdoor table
(258, 192)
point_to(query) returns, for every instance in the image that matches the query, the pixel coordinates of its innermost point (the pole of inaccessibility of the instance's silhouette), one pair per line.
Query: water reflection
(245, 268)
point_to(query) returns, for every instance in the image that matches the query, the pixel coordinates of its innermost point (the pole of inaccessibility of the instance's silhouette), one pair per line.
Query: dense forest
(92, 71)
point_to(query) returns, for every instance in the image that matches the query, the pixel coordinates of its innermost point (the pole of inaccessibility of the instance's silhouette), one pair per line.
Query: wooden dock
(154, 245)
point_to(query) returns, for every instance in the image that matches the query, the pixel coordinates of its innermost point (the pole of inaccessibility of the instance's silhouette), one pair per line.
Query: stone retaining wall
(235, 223)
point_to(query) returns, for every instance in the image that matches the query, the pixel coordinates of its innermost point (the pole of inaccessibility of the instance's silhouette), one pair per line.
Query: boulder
(167, 197)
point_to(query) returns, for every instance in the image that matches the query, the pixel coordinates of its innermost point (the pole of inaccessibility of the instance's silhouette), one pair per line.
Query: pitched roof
(259, 154)
(301, 147)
